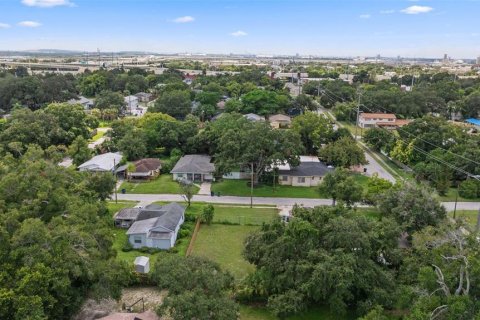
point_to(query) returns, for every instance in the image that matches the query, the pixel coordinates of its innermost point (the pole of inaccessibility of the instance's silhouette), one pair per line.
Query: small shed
(142, 264)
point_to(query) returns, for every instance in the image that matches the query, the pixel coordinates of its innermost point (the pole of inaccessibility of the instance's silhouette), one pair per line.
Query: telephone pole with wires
(359, 92)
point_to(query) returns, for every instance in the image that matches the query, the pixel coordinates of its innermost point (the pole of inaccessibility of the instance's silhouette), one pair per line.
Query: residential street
(374, 167)
(145, 199)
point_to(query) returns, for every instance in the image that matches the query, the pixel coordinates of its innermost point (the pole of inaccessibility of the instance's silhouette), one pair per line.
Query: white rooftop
(102, 162)
(141, 261)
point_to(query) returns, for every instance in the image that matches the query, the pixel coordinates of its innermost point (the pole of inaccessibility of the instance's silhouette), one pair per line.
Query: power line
(410, 134)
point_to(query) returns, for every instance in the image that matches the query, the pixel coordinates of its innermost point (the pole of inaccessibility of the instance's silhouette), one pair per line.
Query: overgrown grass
(317, 313)
(161, 185)
(224, 244)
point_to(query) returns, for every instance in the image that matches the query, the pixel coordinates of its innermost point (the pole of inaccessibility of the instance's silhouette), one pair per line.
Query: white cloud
(47, 3)
(239, 33)
(29, 24)
(365, 16)
(417, 9)
(184, 19)
(4, 25)
(387, 11)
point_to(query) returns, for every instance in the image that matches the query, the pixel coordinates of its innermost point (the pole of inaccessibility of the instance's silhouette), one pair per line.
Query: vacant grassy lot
(224, 244)
(320, 313)
(163, 184)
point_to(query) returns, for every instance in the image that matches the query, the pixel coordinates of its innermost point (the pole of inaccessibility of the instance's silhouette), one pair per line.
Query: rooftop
(194, 163)
(147, 165)
(102, 162)
(378, 115)
(306, 169)
(153, 216)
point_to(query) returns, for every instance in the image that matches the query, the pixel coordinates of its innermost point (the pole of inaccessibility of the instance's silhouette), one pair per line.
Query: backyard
(161, 185)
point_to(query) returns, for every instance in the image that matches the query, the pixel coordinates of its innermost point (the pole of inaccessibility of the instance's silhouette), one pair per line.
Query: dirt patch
(92, 309)
(152, 297)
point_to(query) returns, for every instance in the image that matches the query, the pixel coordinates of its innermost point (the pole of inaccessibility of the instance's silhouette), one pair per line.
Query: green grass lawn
(97, 136)
(452, 194)
(236, 214)
(318, 313)
(224, 244)
(163, 184)
(241, 189)
(469, 215)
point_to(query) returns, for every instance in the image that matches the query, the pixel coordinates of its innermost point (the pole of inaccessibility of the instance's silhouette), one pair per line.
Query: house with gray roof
(254, 117)
(86, 103)
(106, 162)
(309, 173)
(194, 167)
(156, 226)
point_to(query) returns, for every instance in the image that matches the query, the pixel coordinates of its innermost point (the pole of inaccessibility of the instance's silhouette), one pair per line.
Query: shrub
(469, 189)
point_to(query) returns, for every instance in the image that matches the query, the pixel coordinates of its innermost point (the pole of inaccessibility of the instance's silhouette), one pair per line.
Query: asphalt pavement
(145, 199)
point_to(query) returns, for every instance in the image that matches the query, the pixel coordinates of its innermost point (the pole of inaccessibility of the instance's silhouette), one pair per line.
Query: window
(284, 178)
(137, 239)
(180, 175)
(301, 179)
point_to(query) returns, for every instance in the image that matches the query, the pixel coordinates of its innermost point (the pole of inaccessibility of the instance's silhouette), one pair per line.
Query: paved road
(145, 199)
(374, 167)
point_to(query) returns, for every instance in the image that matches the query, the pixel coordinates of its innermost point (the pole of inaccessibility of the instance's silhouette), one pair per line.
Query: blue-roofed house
(475, 122)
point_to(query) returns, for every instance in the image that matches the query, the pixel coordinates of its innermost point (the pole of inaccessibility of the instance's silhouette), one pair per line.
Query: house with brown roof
(147, 168)
(280, 121)
(398, 123)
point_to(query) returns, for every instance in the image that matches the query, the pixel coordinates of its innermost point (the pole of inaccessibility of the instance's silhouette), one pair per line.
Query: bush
(184, 233)
(469, 189)
(127, 247)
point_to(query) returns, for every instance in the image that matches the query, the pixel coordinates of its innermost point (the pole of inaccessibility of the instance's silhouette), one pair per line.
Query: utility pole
(358, 113)
(251, 186)
(115, 175)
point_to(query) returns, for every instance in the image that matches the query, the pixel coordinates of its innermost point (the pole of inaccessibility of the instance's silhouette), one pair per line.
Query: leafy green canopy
(55, 244)
(197, 288)
(325, 255)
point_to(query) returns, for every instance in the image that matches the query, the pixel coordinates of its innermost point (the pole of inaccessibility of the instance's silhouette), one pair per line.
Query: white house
(106, 162)
(370, 120)
(131, 103)
(309, 173)
(157, 226)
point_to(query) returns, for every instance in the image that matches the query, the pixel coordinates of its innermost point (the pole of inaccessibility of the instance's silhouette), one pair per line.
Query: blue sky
(427, 28)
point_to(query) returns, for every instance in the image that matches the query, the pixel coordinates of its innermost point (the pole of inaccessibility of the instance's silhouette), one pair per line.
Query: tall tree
(258, 146)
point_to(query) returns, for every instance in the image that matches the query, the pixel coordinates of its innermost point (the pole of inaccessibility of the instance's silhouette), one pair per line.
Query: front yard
(241, 188)
(161, 185)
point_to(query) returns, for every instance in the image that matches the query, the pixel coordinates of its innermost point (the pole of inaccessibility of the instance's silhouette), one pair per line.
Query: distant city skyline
(408, 28)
